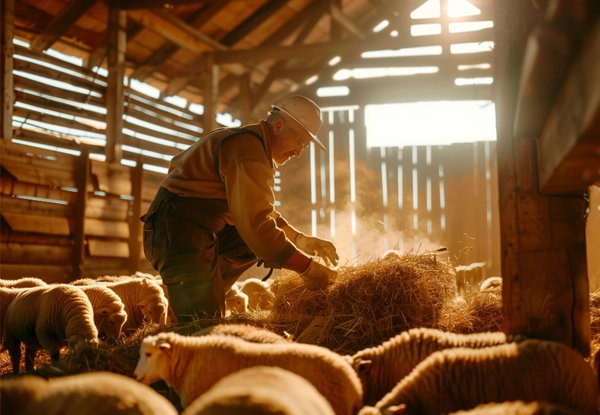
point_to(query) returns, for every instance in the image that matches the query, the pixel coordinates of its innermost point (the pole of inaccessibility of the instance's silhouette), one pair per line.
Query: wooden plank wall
(448, 195)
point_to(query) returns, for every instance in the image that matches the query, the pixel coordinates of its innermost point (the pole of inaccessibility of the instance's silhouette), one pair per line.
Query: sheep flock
(395, 335)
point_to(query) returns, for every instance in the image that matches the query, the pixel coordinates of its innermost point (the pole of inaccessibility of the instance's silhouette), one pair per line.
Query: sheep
(380, 368)
(518, 408)
(260, 296)
(7, 295)
(490, 283)
(44, 317)
(143, 299)
(22, 283)
(244, 332)
(462, 378)
(109, 311)
(261, 390)
(98, 393)
(191, 365)
(236, 301)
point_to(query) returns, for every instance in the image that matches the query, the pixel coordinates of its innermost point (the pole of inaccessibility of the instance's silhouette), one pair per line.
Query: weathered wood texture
(7, 17)
(545, 290)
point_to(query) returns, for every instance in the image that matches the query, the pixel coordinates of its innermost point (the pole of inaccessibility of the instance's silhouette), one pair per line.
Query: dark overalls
(198, 255)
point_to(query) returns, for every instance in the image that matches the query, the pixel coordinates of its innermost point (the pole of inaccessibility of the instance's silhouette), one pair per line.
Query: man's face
(290, 140)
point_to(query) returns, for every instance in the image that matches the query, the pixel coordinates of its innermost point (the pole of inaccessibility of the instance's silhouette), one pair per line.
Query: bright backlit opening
(456, 8)
(425, 29)
(473, 47)
(333, 91)
(335, 61)
(469, 26)
(420, 51)
(430, 123)
(381, 26)
(365, 73)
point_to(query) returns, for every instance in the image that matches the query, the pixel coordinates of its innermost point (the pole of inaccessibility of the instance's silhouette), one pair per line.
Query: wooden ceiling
(263, 49)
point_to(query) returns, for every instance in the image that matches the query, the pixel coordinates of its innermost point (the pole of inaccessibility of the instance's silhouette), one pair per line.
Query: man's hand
(317, 276)
(317, 247)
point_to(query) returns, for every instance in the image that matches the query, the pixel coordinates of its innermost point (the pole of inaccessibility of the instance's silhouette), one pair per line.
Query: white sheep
(22, 283)
(7, 295)
(460, 379)
(45, 317)
(518, 408)
(260, 296)
(143, 299)
(261, 390)
(236, 301)
(243, 331)
(490, 283)
(97, 393)
(192, 365)
(380, 368)
(109, 311)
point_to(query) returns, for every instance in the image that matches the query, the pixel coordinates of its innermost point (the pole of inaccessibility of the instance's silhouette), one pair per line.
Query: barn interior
(470, 125)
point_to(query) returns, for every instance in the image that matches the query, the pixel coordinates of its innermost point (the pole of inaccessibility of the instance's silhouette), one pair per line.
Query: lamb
(518, 408)
(22, 283)
(98, 393)
(260, 296)
(243, 331)
(460, 379)
(380, 368)
(44, 317)
(192, 365)
(236, 301)
(143, 299)
(261, 390)
(109, 311)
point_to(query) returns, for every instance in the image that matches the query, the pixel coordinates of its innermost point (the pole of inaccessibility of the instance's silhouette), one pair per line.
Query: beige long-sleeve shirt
(245, 179)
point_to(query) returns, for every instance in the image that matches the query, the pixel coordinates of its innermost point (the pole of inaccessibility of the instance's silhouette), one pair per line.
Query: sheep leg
(13, 345)
(30, 353)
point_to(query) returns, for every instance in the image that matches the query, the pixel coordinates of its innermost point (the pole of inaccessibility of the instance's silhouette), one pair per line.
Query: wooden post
(545, 286)
(210, 91)
(115, 91)
(81, 179)
(245, 99)
(7, 16)
(135, 225)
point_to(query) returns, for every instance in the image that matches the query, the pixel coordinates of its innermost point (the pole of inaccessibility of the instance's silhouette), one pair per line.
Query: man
(214, 217)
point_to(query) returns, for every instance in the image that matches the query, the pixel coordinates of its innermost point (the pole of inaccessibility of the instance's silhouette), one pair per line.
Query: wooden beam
(338, 15)
(545, 292)
(569, 146)
(340, 48)
(135, 225)
(81, 180)
(115, 106)
(67, 17)
(245, 99)
(210, 92)
(149, 4)
(7, 16)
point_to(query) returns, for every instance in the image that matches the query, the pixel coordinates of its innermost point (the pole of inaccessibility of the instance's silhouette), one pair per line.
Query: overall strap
(236, 131)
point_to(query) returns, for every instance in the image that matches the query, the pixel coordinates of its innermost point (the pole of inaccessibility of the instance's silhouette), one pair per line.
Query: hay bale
(367, 304)
(477, 312)
(595, 315)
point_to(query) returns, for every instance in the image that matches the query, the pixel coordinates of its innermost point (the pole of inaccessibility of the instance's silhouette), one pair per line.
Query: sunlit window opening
(474, 81)
(476, 66)
(425, 29)
(381, 26)
(469, 26)
(430, 123)
(420, 51)
(177, 101)
(311, 80)
(333, 91)
(456, 8)
(364, 73)
(473, 47)
(394, 33)
(335, 61)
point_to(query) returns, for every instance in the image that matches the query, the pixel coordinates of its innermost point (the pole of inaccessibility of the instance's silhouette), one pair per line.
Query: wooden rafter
(339, 16)
(60, 23)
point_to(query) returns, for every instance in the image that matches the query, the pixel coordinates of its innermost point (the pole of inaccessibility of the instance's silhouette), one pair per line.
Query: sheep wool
(192, 365)
(261, 390)
(236, 301)
(518, 408)
(380, 368)
(243, 331)
(109, 311)
(44, 317)
(142, 298)
(460, 379)
(97, 393)
(260, 296)
(7, 295)
(22, 283)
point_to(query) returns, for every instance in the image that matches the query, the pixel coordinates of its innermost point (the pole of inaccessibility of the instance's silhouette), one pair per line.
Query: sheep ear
(362, 366)
(394, 410)
(163, 347)
(103, 311)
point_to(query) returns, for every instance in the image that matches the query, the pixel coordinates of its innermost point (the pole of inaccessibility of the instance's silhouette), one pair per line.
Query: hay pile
(367, 304)
(595, 315)
(477, 312)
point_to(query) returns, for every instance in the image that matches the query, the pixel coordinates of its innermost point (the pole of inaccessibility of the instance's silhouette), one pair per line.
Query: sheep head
(154, 360)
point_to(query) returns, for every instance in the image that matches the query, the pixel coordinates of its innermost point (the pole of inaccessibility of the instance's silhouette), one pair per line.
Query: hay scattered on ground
(367, 304)
(477, 312)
